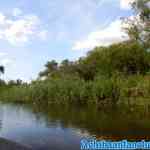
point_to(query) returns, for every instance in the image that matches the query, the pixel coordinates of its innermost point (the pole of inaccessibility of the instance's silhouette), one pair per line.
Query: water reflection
(109, 124)
(62, 127)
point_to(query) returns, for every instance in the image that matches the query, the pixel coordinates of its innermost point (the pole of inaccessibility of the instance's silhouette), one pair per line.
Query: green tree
(138, 27)
(67, 66)
(127, 57)
(50, 68)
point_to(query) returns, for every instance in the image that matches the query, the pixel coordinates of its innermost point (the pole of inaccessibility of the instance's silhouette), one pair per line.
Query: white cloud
(103, 37)
(126, 4)
(21, 30)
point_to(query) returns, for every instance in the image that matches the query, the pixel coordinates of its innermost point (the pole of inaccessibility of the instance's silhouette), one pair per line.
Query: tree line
(105, 76)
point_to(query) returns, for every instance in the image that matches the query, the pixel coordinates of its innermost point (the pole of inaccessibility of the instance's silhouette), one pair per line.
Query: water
(62, 128)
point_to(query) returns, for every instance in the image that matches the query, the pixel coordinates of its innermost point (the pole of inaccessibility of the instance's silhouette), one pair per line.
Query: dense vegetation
(108, 76)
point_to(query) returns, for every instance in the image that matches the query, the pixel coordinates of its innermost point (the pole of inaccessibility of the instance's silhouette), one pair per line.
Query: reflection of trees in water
(86, 121)
(109, 124)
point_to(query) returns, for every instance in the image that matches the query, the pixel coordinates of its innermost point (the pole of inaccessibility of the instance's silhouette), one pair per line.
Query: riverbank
(102, 92)
(117, 75)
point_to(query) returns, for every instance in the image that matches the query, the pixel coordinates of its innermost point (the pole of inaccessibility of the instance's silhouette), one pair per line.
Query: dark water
(61, 128)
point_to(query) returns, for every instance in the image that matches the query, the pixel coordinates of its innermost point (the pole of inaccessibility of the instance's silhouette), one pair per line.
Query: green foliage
(138, 28)
(107, 76)
(127, 57)
(50, 68)
(15, 94)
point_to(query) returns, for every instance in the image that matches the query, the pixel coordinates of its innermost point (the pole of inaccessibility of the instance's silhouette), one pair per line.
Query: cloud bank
(113, 33)
(19, 29)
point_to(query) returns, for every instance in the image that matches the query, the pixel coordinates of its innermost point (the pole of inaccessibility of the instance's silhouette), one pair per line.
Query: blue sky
(33, 32)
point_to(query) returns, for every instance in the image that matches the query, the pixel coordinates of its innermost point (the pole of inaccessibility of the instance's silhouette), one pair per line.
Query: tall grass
(101, 92)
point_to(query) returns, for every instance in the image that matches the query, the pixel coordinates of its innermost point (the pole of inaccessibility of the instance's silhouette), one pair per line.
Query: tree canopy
(138, 26)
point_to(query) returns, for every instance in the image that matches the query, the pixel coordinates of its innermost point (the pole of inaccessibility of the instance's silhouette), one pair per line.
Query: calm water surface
(62, 128)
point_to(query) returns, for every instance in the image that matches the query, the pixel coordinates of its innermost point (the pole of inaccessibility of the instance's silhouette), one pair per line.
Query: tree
(138, 26)
(17, 82)
(87, 67)
(2, 69)
(126, 57)
(67, 67)
(51, 67)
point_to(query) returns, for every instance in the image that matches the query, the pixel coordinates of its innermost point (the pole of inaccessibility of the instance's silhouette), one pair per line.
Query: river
(53, 127)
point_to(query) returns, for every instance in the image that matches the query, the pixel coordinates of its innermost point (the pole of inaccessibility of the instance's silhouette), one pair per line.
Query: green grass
(103, 91)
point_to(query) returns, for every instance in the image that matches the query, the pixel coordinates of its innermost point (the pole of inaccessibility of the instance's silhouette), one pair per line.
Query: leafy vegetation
(108, 76)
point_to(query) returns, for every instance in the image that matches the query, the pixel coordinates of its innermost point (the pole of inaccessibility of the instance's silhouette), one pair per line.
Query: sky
(33, 32)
